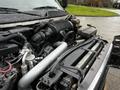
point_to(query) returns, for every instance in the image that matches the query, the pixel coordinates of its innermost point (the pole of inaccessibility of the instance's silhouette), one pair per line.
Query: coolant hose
(9, 37)
(28, 78)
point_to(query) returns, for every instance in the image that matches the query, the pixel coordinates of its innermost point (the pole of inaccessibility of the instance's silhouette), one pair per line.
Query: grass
(88, 11)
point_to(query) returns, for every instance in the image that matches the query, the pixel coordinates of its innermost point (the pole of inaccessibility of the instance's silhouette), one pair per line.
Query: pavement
(114, 10)
(113, 79)
(107, 27)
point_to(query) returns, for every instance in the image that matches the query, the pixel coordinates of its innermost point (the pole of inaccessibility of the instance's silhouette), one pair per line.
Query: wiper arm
(8, 9)
(46, 7)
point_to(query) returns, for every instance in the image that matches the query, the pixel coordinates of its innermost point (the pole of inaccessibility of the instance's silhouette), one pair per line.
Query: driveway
(114, 10)
(107, 27)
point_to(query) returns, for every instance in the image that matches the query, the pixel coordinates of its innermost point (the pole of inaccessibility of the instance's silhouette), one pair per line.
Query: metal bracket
(86, 49)
(72, 71)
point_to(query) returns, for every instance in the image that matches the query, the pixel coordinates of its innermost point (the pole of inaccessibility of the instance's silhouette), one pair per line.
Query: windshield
(27, 5)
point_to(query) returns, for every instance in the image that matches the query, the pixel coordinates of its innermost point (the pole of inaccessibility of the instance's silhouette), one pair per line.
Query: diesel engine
(51, 55)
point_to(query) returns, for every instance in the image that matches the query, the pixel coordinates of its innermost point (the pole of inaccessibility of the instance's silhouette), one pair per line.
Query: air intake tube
(28, 78)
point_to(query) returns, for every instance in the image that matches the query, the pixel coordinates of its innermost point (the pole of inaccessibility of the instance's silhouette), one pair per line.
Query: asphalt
(113, 79)
(107, 27)
(114, 10)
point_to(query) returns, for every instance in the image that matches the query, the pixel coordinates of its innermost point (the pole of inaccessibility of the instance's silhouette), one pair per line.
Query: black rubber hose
(15, 35)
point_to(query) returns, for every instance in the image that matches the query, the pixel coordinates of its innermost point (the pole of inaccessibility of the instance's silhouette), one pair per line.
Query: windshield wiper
(8, 9)
(13, 10)
(46, 7)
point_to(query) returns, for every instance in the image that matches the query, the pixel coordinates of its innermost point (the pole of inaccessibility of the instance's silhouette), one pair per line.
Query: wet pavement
(107, 27)
(114, 10)
(113, 79)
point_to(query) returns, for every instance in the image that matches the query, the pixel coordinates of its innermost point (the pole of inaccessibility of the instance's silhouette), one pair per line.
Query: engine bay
(53, 55)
